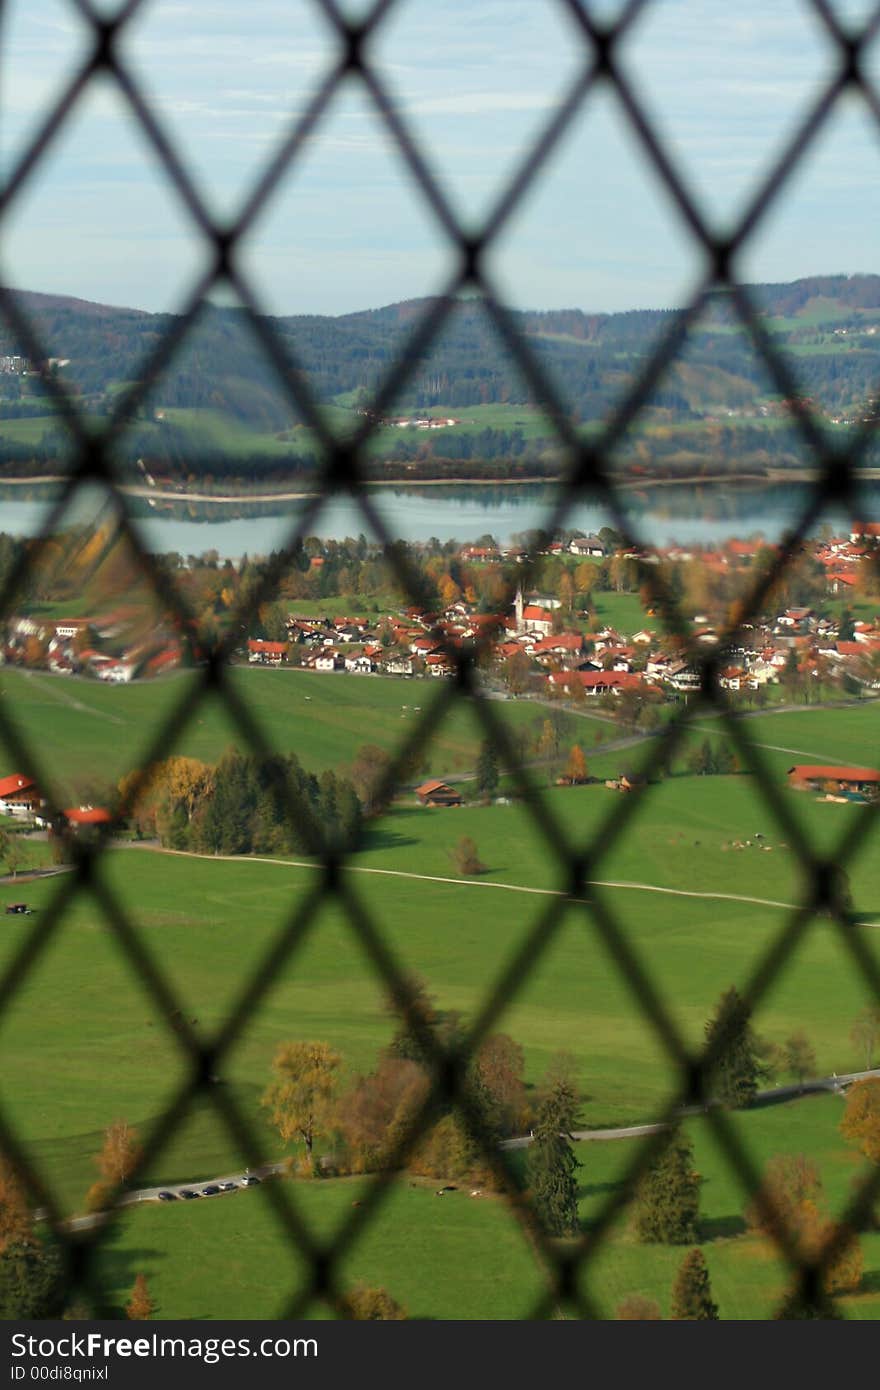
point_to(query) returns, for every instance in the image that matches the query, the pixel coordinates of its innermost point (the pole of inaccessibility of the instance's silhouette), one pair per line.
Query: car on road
(19, 908)
(250, 1181)
(211, 1190)
(229, 1187)
(187, 1194)
(167, 1196)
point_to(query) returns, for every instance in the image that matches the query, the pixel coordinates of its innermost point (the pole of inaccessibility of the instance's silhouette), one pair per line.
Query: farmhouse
(262, 653)
(437, 794)
(19, 796)
(841, 780)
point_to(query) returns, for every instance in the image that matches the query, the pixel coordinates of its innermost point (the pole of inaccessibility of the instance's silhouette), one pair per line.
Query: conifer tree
(692, 1292)
(551, 1168)
(737, 1069)
(487, 770)
(668, 1198)
(140, 1306)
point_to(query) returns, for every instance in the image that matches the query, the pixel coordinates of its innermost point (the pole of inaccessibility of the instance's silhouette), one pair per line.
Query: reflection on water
(660, 515)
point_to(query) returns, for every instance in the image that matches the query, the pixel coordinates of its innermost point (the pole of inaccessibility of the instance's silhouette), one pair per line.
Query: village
(549, 643)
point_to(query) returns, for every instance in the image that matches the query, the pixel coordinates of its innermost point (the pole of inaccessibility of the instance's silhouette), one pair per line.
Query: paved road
(834, 1085)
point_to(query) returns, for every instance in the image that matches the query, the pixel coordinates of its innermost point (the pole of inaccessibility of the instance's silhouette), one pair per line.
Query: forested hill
(829, 326)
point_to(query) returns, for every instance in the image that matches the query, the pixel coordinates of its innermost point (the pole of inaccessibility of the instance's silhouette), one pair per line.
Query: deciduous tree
(788, 1181)
(636, 1307)
(861, 1118)
(300, 1099)
(377, 1110)
(576, 767)
(120, 1152)
(799, 1057)
(372, 1305)
(865, 1033)
(466, 858)
(16, 1223)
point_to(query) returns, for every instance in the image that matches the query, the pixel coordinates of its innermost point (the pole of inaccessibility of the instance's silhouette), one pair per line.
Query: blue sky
(475, 79)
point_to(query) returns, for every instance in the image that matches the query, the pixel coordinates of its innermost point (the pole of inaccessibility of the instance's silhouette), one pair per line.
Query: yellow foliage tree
(301, 1097)
(16, 1226)
(120, 1152)
(576, 768)
(861, 1119)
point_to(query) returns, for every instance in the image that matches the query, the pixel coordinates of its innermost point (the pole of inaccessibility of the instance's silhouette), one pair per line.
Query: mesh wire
(588, 475)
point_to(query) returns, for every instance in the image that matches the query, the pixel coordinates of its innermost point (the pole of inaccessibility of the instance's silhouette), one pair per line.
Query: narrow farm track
(485, 883)
(65, 698)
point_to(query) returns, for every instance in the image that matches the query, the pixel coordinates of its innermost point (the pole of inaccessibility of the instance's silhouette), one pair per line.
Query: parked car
(211, 1190)
(19, 908)
(250, 1181)
(187, 1194)
(167, 1196)
(229, 1187)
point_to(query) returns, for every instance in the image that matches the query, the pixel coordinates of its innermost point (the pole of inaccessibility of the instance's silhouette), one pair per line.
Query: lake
(660, 515)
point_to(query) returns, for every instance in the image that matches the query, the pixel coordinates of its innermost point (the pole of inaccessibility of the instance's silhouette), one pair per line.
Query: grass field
(464, 1258)
(86, 731)
(83, 1044)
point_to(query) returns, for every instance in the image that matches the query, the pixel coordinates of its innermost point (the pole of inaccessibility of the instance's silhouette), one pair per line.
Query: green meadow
(464, 1257)
(84, 1044)
(87, 732)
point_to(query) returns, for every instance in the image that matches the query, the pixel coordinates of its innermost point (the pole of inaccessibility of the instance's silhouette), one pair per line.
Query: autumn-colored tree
(16, 1223)
(466, 858)
(368, 773)
(448, 590)
(99, 1196)
(692, 1292)
(789, 1180)
(499, 1067)
(372, 1305)
(119, 1153)
(447, 1152)
(516, 671)
(636, 1307)
(861, 1118)
(548, 744)
(585, 576)
(576, 767)
(140, 1305)
(374, 1114)
(300, 1099)
(817, 1236)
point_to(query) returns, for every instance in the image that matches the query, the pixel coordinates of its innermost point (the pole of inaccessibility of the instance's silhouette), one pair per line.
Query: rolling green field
(435, 1257)
(87, 731)
(83, 1043)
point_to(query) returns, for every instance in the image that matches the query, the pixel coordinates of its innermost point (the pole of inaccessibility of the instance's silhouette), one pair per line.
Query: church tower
(518, 609)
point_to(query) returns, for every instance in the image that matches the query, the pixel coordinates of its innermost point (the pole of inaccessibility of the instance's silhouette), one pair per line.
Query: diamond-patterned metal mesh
(588, 474)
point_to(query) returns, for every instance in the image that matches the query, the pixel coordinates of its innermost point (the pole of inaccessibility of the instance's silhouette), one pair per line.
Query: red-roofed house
(262, 653)
(79, 817)
(19, 795)
(436, 793)
(810, 777)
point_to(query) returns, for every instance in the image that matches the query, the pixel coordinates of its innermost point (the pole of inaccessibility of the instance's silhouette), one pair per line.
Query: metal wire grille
(589, 474)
